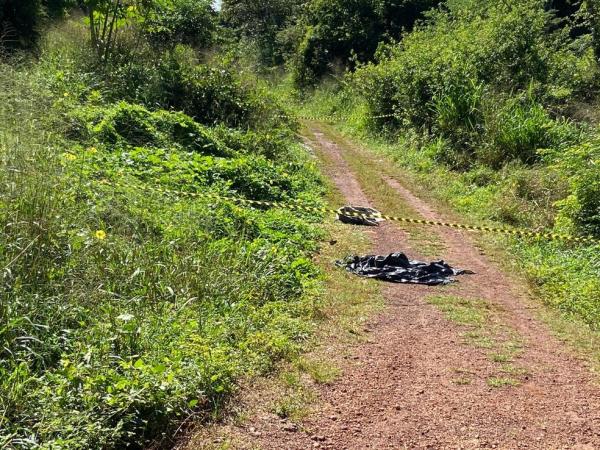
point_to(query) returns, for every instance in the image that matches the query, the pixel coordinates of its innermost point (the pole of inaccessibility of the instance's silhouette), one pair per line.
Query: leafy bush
(126, 124)
(210, 93)
(580, 164)
(594, 11)
(456, 77)
(453, 55)
(518, 128)
(349, 32)
(172, 22)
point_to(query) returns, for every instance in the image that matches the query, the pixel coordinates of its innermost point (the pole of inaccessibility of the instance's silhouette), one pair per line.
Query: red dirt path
(399, 389)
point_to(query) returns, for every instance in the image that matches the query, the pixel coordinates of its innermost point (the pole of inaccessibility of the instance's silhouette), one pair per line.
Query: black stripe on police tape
(313, 209)
(334, 118)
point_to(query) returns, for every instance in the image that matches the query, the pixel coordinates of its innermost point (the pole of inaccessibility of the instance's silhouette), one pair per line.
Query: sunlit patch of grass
(295, 404)
(500, 382)
(513, 370)
(501, 357)
(485, 330)
(479, 339)
(322, 372)
(466, 312)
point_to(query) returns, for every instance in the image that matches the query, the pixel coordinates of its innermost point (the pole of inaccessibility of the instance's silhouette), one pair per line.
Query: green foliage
(334, 30)
(593, 8)
(518, 128)
(456, 78)
(581, 210)
(171, 22)
(349, 32)
(124, 310)
(450, 56)
(106, 19)
(20, 21)
(133, 125)
(175, 79)
(567, 278)
(262, 22)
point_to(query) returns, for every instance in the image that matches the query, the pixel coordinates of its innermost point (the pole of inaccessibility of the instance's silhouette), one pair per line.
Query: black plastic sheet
(398, 268)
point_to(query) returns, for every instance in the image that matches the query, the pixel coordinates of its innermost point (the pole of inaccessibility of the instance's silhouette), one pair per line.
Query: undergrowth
(124, 310)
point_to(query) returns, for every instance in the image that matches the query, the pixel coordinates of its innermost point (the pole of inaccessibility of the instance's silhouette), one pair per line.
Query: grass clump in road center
(499, 382)
(472, 313)
(485, 331)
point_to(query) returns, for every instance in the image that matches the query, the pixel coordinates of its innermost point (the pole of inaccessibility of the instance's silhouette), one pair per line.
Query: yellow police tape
(333, 118)
(313, 209)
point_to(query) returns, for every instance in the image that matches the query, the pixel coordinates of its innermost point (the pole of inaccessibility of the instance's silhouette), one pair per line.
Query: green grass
(484, 330)
(122, 310)
(462, 381)
(322, 372)
(500, 382)
(466, 312)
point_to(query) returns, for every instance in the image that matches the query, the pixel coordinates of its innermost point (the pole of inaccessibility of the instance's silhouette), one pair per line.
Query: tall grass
(124, 311)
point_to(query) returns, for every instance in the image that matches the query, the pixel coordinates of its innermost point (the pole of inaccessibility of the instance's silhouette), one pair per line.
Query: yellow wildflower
(101, 235)
(92, 150)
(69, 156)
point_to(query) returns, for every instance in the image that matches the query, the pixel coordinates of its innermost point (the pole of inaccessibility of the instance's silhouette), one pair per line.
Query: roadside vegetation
(124, 310)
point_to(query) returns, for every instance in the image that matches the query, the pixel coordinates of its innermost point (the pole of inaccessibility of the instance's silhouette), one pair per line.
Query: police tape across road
(333, 118)
(313, 209)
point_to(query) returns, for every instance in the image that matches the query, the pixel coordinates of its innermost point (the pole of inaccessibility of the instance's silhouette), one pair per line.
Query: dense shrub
(133, 125)
(518, 128)
(580, 164)
(448, 79)
(172, 22)
(211, 93)
(506, 47)
(594, 12)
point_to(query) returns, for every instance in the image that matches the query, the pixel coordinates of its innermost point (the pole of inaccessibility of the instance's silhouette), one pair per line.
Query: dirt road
(465, 366)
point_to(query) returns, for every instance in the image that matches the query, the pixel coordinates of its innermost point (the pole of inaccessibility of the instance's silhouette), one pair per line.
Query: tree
(171, 22)
(261, 22)
(401, 15)
(104, 17)
(593, 7)
(349, 31)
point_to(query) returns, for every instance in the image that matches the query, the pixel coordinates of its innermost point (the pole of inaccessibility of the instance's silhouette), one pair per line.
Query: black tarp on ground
(359, 215)
(397, 268)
